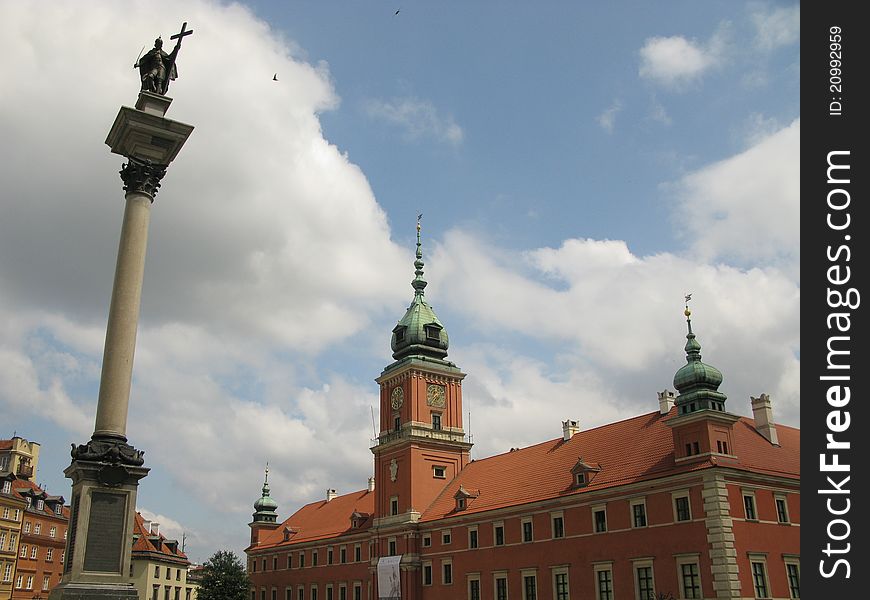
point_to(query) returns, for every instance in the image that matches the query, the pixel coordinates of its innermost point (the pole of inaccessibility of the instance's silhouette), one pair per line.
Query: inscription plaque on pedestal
(105, 533)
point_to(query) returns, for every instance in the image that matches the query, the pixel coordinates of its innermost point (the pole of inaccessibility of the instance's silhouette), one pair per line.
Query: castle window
(397, 423)
(329, 556)
(394, 505)
(498, 534)
(759, 578)
(357, 553)
(439, 472)
(580, 479)
(690, 578)
(781, 509)
(530, 587)
(599, 519)
(792, 571)
(342, 555)
(643, 574)
(436, 421)
(427, 573)
(447, 571)
(7, 486)
(427, 540)
(391, 547)
(558, 522)
(314, 558)
(400, 333)
(460, 504)
(446, 537)
(528, 533)
(638, 513)
(433, 333)
(749, 506)
(472, 537)
(682, 510)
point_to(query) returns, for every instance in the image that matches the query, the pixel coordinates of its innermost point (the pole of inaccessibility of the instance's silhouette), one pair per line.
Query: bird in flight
(275, 77)
(397, 12)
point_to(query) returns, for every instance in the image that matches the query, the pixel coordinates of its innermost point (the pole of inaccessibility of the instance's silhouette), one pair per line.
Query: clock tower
(421, 445)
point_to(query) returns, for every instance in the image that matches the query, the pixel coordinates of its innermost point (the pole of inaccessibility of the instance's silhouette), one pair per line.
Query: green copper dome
(697, 382)
(419, 332)
(266, 508)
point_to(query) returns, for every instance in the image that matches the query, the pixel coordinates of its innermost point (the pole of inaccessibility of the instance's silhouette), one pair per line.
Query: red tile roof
(5, 444)
(26, 488)
(144, 541)
(628, 451)
(543, 471)
(323, 519)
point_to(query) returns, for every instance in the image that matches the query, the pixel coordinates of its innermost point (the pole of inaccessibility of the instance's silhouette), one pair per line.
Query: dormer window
(433, 333)
(462, 497)
(400, 333)
(40, 504)
(7, 487)
(583, 473)
(460, 504)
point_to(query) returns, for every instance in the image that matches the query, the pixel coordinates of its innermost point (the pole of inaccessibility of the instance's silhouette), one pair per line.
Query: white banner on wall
(389, 583)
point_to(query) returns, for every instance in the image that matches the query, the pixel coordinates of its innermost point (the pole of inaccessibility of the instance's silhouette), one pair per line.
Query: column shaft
(117, 372)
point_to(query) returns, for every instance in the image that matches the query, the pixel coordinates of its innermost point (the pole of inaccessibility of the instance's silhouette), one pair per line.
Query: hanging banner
(389, 587)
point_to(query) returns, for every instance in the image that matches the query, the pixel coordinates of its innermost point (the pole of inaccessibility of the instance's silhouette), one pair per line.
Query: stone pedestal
(97, 560)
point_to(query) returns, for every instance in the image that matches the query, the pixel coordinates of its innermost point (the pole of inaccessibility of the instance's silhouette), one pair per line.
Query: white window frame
(794, 561)
(555, 572)
(689, 559)
(782, 497)
(446, 537)
(749, 494)
(553, 516)
(473, 577)
(530, 522)
(427, 540)
(595, 509)
(447, 565)
(632, 504)
(473, 528)
(442, 468)
(426, 564)
(681, 494)
(603, 566)
(495, 526)
(756, 558)
(642, 563)
(496, 575)
(528, 573)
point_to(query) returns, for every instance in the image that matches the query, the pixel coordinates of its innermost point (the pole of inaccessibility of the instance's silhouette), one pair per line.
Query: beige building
(19, 457)
(159, 567)
(12, 508)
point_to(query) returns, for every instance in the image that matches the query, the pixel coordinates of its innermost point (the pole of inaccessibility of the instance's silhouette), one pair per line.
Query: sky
(579, 166)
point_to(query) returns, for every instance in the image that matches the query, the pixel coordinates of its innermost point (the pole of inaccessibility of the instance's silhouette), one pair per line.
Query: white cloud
(674, 62)
(417, 118)
(607, 119)
(745, 209)
(777, 27)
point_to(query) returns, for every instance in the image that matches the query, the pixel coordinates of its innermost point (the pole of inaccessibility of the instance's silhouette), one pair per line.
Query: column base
(97, 591)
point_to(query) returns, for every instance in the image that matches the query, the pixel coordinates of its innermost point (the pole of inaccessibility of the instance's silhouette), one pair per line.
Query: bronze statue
(157, 68)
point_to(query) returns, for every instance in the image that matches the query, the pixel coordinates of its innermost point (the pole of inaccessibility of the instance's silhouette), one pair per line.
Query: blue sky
(580, 166)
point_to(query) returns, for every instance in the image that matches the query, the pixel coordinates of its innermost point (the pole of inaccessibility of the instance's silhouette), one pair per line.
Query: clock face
(435, 395)
(397, 398)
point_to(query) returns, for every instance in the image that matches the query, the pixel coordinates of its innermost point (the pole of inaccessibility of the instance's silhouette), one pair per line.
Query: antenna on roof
(183, 540)
(374, 429)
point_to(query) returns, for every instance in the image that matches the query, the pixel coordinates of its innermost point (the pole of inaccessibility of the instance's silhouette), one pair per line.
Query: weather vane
(157, 68)
(687, 311)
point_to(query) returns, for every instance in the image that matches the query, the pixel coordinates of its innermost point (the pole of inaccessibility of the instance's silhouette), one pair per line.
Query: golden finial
(688, 312)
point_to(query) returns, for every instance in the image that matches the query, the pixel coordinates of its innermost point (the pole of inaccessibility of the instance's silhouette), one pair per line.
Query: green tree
(224, 578)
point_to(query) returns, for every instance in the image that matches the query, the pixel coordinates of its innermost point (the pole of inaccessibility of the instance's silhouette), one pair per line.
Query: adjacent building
(11, 511)
(685, 501)
(43, 538)
(159, 567)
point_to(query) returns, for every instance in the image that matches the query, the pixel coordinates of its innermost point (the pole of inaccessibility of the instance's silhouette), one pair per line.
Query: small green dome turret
(419, 332)
(697, 382)
(266, 509)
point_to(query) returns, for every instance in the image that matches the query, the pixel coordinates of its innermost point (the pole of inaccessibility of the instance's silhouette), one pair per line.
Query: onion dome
(697, 382)
(266, 509)
(419, 332)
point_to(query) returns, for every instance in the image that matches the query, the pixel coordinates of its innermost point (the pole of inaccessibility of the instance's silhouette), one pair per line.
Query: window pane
(605, 585)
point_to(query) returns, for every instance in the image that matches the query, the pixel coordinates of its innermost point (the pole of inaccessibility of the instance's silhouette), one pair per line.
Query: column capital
(142, 176)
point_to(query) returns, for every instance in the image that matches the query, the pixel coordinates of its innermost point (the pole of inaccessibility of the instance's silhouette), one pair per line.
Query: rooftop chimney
(666, 401)
(330, 495)
(763, 415)
(146, 525)
(569, 428)
(371, 484)
(155, 528)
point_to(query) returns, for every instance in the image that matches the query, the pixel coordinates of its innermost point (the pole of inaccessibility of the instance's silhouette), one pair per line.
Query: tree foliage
(224, 578)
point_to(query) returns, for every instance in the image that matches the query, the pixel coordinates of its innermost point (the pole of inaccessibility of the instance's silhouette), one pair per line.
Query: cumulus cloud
(777, 27)
(607, 119)
(417, 118)
(675, 61)
(745, 209)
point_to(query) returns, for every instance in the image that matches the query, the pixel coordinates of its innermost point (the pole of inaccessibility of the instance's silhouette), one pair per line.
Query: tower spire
(697, 382)
(419, 284)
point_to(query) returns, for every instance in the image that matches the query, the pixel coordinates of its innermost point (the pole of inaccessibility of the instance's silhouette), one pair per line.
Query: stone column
(106, 470)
